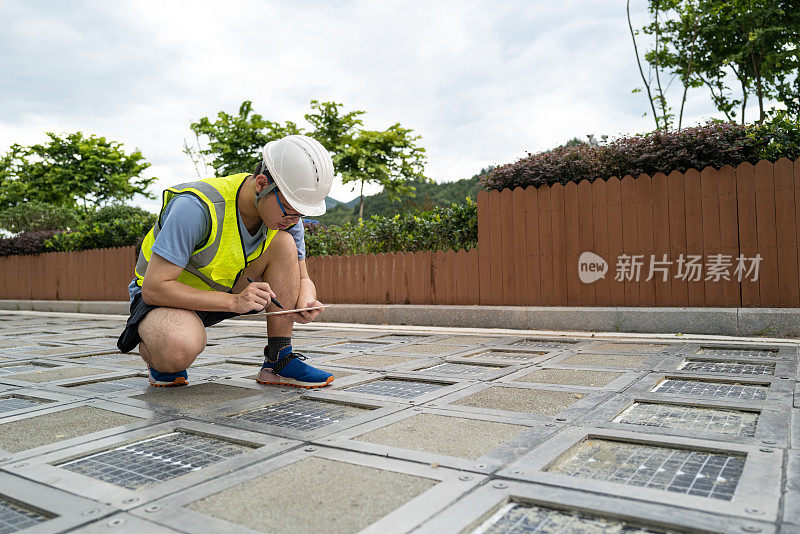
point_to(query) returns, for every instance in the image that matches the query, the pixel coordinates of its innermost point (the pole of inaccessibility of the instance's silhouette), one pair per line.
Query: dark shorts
(130, 336)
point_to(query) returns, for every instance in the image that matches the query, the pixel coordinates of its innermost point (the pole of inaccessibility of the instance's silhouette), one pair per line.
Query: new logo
(591, 267)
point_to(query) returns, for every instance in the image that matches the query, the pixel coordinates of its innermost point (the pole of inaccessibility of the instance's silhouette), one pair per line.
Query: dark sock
(274, 345)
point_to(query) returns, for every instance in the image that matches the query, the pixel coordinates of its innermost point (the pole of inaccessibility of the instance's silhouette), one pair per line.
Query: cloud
(482, 82)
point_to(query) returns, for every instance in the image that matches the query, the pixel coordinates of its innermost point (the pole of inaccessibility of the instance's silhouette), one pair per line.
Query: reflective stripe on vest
(217, 262)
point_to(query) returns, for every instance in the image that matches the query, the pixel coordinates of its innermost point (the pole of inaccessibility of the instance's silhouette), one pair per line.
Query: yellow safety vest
(218, 261)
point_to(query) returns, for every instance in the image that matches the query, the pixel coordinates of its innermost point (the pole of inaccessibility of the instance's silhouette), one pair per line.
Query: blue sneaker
(290, 370)
(159, 379)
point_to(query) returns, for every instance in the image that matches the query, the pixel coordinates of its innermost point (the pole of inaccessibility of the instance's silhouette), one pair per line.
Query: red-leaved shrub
(715, 144)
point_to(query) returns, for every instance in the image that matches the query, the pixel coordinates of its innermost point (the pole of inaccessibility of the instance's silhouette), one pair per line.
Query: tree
(235, 141)
(72, 171)
(714, 43)
(390, 157)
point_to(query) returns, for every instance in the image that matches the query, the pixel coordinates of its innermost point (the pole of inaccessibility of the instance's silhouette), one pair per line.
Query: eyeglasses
(287, 216)
(273, 187)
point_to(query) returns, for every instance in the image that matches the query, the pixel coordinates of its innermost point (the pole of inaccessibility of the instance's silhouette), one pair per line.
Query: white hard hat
(302, 170)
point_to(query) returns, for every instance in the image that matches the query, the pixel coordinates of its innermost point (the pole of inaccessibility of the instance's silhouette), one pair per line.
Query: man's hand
(255, 297)
(306, 316)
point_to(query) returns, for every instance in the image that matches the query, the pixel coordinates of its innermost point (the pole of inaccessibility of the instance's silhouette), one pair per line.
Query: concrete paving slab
(623, 361)
(370, 360)
(521, 400)
(59, 373)
(53, 427)
(452, 436)
(196, 396)
(428, 348)
(280, 501)
(572, 377)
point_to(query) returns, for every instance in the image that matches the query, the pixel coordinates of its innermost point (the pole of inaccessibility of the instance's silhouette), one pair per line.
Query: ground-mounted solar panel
(729, 368)
(15, 517)
(711, 389)
(629, 347)
(518, 518)
(544, 344)
(300, 414)
(110, 386)
(153, 460)
(502, 356)
(693, 418)
(737, 353)
(355, 345)
(10, 403)
(22, 368)
(405, 389)
(680, 470)
(459, 370)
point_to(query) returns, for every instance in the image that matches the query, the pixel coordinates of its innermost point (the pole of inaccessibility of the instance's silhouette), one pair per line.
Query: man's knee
(283, 244)
(174, 338)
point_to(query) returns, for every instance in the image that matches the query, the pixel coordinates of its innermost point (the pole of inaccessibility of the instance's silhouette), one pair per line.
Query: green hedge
(108, 227)
(716, 144)
(451, 228)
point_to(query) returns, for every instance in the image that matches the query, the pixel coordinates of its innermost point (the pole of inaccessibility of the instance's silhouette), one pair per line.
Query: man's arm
(161, 288)
(306, 298)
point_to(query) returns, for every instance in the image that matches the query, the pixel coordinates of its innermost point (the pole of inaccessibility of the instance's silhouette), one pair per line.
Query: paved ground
(429, 431)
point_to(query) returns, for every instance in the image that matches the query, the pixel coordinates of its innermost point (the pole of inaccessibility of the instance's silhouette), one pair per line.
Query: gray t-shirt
(185, 224)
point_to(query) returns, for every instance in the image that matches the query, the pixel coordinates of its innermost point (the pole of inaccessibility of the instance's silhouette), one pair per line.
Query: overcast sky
(483, 82)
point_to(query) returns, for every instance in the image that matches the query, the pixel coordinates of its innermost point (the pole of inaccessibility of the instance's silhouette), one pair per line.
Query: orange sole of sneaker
(295, 385)
(180, 381)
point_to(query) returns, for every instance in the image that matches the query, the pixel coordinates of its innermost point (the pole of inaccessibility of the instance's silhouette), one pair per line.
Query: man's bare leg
(171, 339)
(279, 267)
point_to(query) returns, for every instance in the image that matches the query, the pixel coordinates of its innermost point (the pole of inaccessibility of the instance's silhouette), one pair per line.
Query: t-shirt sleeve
(184, 226)
(299, 233)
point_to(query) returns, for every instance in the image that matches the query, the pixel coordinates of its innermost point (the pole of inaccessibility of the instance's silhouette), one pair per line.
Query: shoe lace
(283, 362)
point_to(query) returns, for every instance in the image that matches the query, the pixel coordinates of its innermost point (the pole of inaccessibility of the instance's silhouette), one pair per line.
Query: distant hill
(427, 195)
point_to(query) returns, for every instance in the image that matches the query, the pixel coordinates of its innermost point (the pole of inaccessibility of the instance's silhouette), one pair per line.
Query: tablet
(281, 312)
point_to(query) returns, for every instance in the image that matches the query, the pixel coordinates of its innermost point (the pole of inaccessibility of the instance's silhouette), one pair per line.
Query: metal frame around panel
(538, 359)
(488, 463)
(471, 511)
(650, 362)
(455, 350)
(338, 361)
(665, 346)
(782, 367)
(795, 428)
(51, 399)
(572, 343)
(8, 379)
(171, 511)
(772, 427)
(782, 350)
(777, 392)
(70, 511)
(265, 393)
(757, 495)
(42, 468)
(496, 339)
(449, 386)
(125, 523)
(371, 345)
(618, 384)
(590, 399)
(377, 409)
(421, 368)
(148, 417)
(791, 496)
